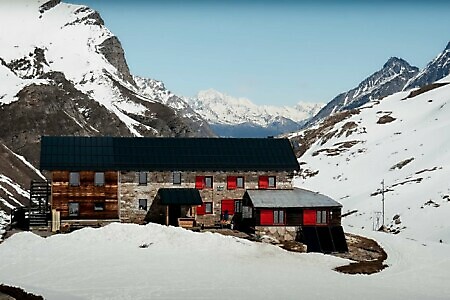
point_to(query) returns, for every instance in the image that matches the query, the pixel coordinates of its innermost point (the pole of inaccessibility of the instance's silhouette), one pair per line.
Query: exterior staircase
(39, 210)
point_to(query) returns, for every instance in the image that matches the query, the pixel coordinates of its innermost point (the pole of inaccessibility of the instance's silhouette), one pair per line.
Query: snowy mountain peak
(222, 111)
(391, 78)
(438, 68)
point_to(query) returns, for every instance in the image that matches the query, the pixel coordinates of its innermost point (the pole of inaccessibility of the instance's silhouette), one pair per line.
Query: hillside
(402, 139)
(62, 72)
(239, 117)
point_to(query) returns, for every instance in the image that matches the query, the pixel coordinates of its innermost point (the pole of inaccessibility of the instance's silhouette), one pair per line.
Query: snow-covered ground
(107, 263)
(409, 150)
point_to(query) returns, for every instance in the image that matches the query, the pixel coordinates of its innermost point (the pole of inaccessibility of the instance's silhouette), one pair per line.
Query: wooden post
(167, 215)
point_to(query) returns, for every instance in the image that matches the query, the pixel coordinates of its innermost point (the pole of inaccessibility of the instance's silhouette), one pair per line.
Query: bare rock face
(113, 52)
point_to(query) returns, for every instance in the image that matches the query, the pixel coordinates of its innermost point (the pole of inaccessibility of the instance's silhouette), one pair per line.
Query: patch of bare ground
(340, 147)
(322, 131)
(401, 164)
(367, 254)
(424, 89)
(17, 293)
(385, 119)
(306, 173)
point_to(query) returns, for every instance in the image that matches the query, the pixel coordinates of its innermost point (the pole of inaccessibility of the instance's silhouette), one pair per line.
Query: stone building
(96, 180)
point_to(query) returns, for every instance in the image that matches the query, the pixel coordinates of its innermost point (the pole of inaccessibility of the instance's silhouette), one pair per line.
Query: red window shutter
(309, 217)
(199, 182)
(201, 209)
(266, 217)
(228, 204)
(263, 182)
(231, 182)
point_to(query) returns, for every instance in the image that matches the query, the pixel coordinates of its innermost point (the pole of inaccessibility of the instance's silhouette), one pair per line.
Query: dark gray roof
(179, 196)
(166, 154)
(289, 198)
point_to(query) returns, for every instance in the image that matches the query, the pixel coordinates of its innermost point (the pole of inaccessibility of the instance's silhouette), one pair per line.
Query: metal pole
(382, 199)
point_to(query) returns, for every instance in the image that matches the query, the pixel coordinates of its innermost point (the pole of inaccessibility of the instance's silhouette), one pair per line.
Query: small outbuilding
(295, 214)
(179, 206)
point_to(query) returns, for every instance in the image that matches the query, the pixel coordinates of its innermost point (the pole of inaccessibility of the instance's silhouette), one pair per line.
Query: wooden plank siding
(86, 194)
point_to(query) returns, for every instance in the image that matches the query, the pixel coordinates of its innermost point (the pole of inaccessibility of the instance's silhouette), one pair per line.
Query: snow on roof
(290, 198)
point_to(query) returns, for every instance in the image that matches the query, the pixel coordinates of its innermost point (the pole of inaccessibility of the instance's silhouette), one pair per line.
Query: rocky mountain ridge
(62, 72)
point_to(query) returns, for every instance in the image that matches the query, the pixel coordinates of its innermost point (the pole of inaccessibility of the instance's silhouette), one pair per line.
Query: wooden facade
(94, 202)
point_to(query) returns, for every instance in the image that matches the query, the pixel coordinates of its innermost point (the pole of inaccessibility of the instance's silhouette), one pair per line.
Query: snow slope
(402, 140)
(107, 263)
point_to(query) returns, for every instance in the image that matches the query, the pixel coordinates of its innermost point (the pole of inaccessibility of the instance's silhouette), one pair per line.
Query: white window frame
(176, 175)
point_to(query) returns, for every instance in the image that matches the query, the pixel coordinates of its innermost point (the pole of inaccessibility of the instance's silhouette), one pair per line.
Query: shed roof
(180, 196)
(290, 198)
(166, 154)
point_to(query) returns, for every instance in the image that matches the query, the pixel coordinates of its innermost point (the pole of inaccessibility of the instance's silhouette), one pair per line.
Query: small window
(237, 206)
(240, 182)
(278, 217)
(74, 179)
(321, 217)
(99, 206)
(208, 208)
(272, 182)
(142, 204)
(208, 182)
(74, 209)
(143, 178)
(99, 179)
(176, 177)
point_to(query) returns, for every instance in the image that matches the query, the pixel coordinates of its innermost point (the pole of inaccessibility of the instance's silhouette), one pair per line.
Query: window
(278, 216)
(208, 208)
(74, 209)
(266, 182)
(142, 204)
(208, 182)
(99, 206)
(99, 179)
(240, 182)
(321, 217)
(176, 176)
(237, 206)
(74, 179)
(271, 182)
(143, 178)
(234, 182)
(202, 182)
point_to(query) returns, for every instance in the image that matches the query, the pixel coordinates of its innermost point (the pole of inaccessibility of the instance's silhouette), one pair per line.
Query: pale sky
(272, 52)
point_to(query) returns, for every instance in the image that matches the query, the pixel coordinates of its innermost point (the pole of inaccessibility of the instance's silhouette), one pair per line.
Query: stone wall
(130, 191)
(281, 233)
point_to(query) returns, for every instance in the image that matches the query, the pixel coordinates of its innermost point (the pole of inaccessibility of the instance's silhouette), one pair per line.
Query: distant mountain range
(239, 117)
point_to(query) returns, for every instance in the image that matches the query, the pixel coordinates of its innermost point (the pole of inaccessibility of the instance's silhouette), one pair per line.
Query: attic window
(143, 178)
(176, 177)
(74, 179)
(99, 179)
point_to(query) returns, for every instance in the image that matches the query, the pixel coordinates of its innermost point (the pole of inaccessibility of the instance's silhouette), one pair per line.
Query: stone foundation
(281, 233)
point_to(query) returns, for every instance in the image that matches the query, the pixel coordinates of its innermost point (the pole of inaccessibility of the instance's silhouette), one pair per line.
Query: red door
(266, 217)
(228, 204)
